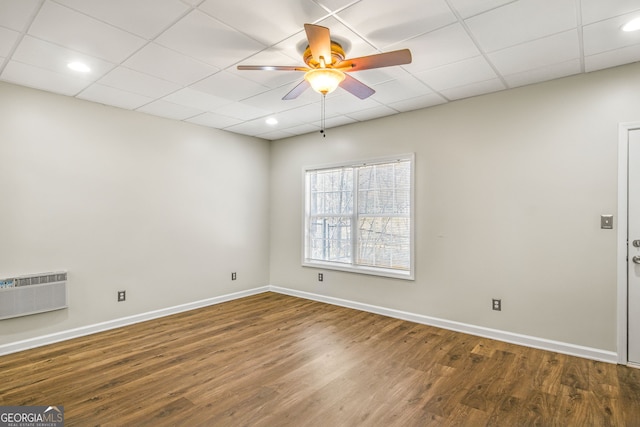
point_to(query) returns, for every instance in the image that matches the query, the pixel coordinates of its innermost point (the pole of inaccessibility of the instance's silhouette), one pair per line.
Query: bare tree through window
(360, 215)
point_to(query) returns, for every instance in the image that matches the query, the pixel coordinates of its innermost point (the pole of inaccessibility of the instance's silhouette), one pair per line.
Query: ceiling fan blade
(356, 87)
(319, 42)
(396, 57)
(273, 67)
(297, 91)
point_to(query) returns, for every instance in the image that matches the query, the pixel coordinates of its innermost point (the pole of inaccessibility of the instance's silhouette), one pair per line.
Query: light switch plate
(606, 221)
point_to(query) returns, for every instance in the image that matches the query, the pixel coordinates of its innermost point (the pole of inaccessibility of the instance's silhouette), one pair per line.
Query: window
(359, 217)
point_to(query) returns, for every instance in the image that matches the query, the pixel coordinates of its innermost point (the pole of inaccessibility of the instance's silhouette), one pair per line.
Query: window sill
(382, 272)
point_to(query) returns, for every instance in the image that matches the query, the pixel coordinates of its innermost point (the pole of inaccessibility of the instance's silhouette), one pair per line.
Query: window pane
(384, 189)
(330, 239)
(331, 191)
(384, 242)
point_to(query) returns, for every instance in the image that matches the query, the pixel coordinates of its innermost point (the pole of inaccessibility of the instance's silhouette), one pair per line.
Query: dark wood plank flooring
(275, 360)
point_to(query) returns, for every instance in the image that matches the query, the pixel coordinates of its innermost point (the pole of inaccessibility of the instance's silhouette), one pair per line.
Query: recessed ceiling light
(272, 121)
(79, 66)
(633, 25)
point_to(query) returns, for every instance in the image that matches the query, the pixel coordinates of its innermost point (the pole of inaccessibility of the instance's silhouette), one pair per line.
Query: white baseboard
(124, 321)
(510, 337)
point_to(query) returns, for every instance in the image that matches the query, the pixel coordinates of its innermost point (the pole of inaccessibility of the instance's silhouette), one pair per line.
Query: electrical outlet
(122, 295)
(497, 304)
(233, 276)
(606, 222)
(320, 277)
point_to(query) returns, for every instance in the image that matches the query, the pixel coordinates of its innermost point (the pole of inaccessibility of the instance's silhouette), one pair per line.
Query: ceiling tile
(423, 101)
(137, 18)
(397, 90)
(549, 72)
(16, 14)
(269, 22)
(274, 135)
(291, 48)
(214, 120)
(468, 8)
(170, 110)
(537, 54)
(342, 102)
(440, 47)
(115, 97)
(251, 127)
(269, 79)
(302, 129)
(284, 124)
(196, 99)
(206, 39)
(288, 122)
(608, 35)
(336, 121)
(598, 10)
(55, 58)
(169, 65)
(372, 19)
(372, 113)
(39, 78)
(8, 39)
(612, 58)
(283, 53)
(241, 111)
(335, 5)
(229, 86)
(474, 89)
(272, 100)
(284, 119)
(352, 43)
(136, 82)
(458, 74)
(380, 75)
(306, 113)
(521, 22)
(76, 31)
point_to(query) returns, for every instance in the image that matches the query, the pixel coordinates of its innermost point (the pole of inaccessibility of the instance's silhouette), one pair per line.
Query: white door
(633, 239)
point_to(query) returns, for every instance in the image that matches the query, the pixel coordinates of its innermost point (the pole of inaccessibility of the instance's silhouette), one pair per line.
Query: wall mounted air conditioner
(31, 294)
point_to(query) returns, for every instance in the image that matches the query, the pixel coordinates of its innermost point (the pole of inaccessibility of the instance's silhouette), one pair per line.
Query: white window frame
(351, 267)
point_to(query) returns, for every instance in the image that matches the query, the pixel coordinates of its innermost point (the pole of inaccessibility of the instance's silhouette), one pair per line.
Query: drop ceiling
(178, 58)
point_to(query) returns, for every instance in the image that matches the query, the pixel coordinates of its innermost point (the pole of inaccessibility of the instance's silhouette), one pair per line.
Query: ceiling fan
(327, 66)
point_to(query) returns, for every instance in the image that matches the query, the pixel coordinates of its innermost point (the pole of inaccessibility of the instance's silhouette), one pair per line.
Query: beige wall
(122, 200)
(509, 190)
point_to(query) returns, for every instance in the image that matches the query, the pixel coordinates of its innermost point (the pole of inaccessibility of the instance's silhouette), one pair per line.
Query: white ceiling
(178, 58)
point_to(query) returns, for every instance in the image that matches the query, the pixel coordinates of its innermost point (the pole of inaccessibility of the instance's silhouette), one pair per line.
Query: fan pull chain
(323, 115)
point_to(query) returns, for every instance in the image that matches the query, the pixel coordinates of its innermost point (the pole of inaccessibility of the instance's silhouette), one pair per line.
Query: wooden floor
(275, 360)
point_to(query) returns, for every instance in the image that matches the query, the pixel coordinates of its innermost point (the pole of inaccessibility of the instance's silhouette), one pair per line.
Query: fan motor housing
(337, 56)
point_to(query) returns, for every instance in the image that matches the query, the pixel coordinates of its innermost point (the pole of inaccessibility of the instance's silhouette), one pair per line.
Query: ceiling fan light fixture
(324, 80)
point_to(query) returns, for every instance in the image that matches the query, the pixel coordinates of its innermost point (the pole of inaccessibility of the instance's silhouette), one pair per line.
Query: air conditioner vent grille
(36, 280)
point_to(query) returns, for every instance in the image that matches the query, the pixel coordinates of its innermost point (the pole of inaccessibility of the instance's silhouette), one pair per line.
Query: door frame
(622, 268)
